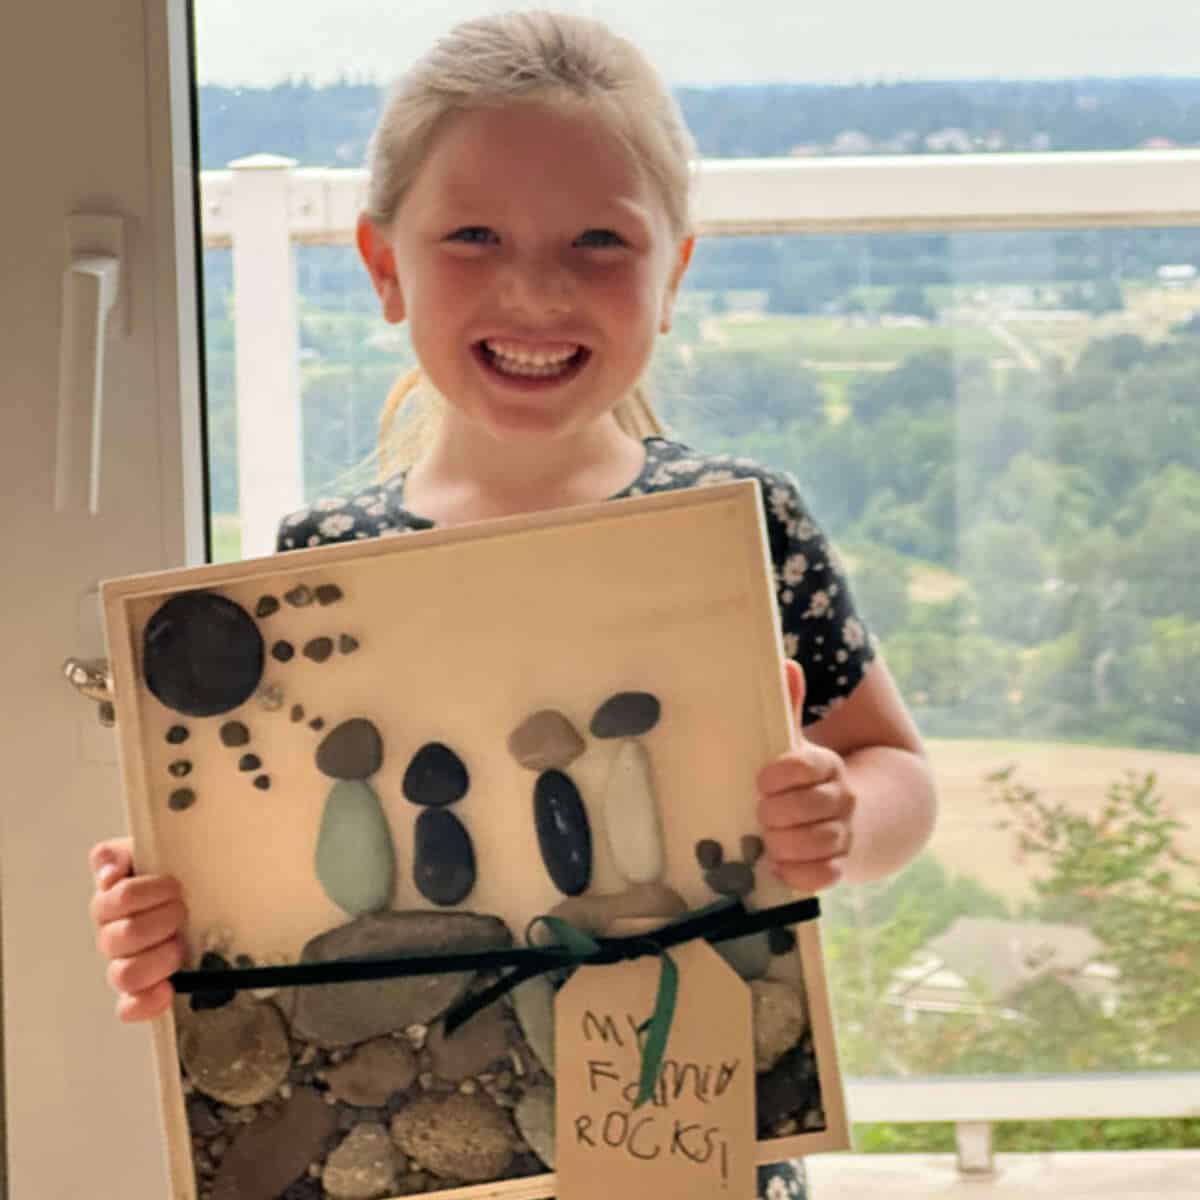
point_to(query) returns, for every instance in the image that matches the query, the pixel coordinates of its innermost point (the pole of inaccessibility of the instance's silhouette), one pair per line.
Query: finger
(807, 878)
(134, 895)
(805, 806)
(143, 1006)
(796, 688)
(808, 843)
(128, 936)
(111, 860)
(806, 765)
(146, 970)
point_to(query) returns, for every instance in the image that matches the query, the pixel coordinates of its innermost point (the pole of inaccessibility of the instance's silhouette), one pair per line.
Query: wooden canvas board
(458, 635)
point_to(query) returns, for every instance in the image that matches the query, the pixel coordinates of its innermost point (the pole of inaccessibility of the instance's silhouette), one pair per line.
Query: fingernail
(106, 875)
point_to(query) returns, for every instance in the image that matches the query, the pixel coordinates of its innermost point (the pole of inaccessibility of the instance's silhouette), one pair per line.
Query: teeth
(537, 358)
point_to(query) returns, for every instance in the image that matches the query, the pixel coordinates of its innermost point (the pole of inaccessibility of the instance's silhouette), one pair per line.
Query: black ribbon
(718, 923)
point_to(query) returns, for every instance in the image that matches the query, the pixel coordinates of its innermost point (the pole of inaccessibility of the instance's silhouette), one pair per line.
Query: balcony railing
(262, 206)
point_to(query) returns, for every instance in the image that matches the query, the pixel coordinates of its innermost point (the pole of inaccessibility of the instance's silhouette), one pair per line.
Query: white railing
(263, 205)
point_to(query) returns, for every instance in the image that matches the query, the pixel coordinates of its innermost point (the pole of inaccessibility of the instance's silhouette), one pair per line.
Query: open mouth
(531, 370)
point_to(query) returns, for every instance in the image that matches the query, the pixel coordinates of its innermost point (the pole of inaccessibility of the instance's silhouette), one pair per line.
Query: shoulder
(671, 464)
(364, 514)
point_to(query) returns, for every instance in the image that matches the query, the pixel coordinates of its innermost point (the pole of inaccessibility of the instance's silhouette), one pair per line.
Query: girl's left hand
(806, 807)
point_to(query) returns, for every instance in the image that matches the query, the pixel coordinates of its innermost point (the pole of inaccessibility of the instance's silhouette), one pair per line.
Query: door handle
(91, 286)
(92, 679)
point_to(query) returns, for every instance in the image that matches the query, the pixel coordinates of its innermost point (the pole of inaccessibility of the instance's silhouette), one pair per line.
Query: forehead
(531, 156)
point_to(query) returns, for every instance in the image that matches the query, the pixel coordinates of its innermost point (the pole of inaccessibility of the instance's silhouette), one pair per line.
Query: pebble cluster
(443, 854)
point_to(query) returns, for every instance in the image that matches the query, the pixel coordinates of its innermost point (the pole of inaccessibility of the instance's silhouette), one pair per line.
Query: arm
(854, 799)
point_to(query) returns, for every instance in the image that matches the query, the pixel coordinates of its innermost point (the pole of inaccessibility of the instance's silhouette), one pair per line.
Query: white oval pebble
(631, 816)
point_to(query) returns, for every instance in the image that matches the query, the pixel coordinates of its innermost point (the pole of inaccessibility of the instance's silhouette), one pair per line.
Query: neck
(469, 475)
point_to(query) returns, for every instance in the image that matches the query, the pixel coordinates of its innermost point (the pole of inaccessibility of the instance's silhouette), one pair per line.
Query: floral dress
(820, 627)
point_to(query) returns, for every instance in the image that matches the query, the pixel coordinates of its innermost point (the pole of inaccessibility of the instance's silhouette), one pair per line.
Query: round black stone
(627, 714)
(351, 750)
(234, 733)
(267, 606)
(202, 654)
(180, 799)
(249, 762)
(443, 858)
(297, 712)
(180, 767)
(563, 833)
(319, 649)
(328, 593)
(317, 723)
(436, 776)
(283, 651)
(262, 782)
(177, 735)
(299, 597)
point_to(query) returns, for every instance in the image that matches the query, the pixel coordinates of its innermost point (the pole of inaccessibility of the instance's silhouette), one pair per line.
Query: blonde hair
(511, 58)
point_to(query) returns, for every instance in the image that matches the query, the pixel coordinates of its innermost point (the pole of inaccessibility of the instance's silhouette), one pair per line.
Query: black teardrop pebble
(177, 735)
(297, 712)
(781, 940)
(283, 651)
(180, 799)
(328, 593)
(249, 762)
(202, 654)
(262, 782)
(267, 606)
(299, 597)
(563, 833)
(436, 776)
(627, 714)
(317, 723)
(347, 644)
(443, 857)
(319, 649)
(234, 733)
(180, 767)
(351, 750)
(216, 998)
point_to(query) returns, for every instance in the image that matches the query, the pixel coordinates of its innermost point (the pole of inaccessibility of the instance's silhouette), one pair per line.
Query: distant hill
(329, 125)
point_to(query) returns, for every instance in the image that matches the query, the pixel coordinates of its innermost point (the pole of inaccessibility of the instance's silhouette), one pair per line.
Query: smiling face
(535, 265)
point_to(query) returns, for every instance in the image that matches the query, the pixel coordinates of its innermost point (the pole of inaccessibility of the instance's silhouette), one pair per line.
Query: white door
(85, 127)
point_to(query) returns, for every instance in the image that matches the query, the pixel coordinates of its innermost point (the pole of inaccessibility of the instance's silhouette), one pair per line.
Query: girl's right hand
(139, 921)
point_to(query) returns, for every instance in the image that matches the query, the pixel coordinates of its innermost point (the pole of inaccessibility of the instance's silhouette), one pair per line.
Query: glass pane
(1000, 430)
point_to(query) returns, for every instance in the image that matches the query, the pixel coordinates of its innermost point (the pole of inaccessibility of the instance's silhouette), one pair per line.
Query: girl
(528, 216)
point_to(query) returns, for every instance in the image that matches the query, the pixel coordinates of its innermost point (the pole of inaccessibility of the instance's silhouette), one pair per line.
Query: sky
(258, 42)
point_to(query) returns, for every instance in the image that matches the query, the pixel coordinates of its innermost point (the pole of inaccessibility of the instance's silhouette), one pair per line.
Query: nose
(537, 288)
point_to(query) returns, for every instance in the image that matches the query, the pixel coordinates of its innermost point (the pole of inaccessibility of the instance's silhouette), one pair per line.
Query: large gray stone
(346, 1013)
(459, 1136)
(535, 1121)
(780, 1021)
(374, 1072)
(471, 1048)
(273, 1151)
(364, 1167)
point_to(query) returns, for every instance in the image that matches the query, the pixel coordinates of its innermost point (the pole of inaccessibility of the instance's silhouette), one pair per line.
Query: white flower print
(791, 644)
(332, 504)
(683, 466)
(780, 500)
(818, 605)
(853, 633)
(335, 525)
(710, 477)
(795, 566)
(777, 1189)
(295, 518)
(803, 530)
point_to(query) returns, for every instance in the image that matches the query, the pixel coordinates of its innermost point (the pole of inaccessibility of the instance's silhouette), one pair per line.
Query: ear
(380, 260)
(684, 256)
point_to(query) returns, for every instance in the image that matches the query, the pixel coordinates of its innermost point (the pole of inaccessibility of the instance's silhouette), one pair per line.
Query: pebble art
(355, 858)
(234, 733)
(545, 740)
(181, 799)
(351, 750)
(262, 782)
(267, 606)
(347, 644)
(319, 649)
(299, 597)
(444, 859)
(328, 593)
(317, 723)
(563, 833)
(180, 768)
(249, 762)
(177, 735)
(270, 698)
(626, 715)
(436, 776)
(283, 651)
(297, 713)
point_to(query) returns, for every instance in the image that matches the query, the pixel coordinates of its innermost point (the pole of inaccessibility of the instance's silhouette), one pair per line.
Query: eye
(600, 238)
(472, 235)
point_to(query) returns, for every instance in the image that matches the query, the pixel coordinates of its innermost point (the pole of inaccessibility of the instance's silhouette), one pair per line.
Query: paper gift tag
(696, 1137)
